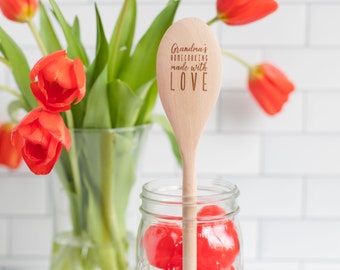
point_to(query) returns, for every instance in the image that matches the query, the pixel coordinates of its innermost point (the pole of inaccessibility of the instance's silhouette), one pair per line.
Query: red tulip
(40, 137)
(238, 12)
(9, 155)
(60, 81)
(19, 10)
(270, 87)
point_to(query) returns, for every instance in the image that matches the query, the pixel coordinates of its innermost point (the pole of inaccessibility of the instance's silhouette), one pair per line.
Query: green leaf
(122, 38)
(47, 32)
(93, 72)
(75, 47)
(20, 68)
(141, 66)
(164, 123)
(102, 52)
(149, 100)
(78, 110)
(126, 104)
(76, 28)
(97, 113)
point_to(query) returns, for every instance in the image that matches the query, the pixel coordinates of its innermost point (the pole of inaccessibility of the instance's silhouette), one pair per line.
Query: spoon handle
(189, 213)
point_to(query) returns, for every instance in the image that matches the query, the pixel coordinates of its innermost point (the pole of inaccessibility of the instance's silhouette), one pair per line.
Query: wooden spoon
(189, 81)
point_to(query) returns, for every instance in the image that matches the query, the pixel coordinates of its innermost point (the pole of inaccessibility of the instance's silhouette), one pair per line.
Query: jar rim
(169, 191)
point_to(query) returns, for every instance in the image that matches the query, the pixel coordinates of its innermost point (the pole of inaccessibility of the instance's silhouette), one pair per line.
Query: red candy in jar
(160, 235)
(217, 242)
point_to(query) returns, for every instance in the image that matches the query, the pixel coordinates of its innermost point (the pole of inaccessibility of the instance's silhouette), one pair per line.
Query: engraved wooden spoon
(189, 81)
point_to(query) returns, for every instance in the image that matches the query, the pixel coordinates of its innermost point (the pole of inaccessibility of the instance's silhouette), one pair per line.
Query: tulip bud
(59, 81)
(9, 155)
(19, 10)
(270, 87)
(239, 12)
(40, 137)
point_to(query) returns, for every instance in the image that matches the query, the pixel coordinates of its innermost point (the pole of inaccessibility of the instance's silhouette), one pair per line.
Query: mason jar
(218, 234)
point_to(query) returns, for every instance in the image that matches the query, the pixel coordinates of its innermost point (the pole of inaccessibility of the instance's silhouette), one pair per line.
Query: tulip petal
(43, 62)
(270, 87)
(267, 96)
(2, 153)
(10, 156)
(80, 78)
(54, 123)
(239, 12)
(37, 159)
(252, 11)
(28, 120)
(281, 81)
(262, 99)
(224, 8)
(52, 98)
(60, 73)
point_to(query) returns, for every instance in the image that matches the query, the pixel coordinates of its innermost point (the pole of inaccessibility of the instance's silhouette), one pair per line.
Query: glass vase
(91, 195)
(218, 235)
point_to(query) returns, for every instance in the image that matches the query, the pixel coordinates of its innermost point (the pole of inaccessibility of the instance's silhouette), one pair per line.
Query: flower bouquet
(103, 106)
(86, 116)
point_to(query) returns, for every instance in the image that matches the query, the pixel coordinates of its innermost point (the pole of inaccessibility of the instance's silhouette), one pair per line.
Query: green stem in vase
(105, 160)
(106, 173)
(76, 203)
(113, 235)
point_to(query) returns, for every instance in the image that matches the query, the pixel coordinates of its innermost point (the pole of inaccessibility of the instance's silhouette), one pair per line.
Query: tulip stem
(213, 20)
(10, 91)
(75, 170)
(37, 37)
(237, 58)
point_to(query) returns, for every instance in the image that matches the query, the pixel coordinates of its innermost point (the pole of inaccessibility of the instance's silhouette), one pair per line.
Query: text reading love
(188, 68)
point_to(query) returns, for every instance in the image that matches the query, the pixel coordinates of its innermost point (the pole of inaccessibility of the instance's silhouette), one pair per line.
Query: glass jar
(218, 241)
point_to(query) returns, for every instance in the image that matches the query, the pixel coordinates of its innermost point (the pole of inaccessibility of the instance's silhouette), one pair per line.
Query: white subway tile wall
(287, 167)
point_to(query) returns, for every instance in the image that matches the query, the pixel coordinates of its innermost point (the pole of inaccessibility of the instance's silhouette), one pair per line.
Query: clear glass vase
(160, 239)
(91, 195)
